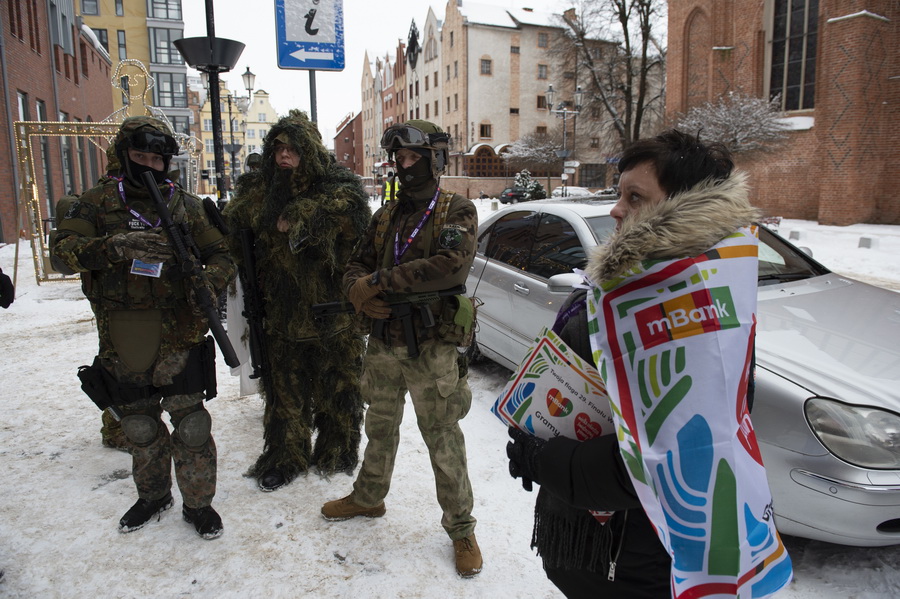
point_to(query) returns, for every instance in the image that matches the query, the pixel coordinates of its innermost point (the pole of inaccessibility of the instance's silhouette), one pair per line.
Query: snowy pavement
(63, 493)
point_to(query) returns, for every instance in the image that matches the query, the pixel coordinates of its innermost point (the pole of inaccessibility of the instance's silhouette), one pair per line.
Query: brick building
(52, 68)
(836, 66)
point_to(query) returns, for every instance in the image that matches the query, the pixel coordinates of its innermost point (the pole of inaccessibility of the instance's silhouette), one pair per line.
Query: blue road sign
(310, 34)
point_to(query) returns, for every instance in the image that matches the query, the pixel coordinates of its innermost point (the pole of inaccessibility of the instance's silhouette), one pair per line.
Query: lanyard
(137, 214)
(398, 252)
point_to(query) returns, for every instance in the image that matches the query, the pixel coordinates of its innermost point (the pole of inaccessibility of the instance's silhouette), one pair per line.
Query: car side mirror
(564, 282)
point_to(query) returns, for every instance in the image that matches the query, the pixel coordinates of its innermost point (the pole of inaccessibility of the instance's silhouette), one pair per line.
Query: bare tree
(614, 46)
(535, 152)
(744, 124)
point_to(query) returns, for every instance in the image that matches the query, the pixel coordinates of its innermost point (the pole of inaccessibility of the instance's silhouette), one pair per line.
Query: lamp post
(212, 55)
(564, 112)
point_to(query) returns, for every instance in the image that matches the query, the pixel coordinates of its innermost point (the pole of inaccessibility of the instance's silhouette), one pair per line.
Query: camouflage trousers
(195, 466)
(441, 398)
(316, 387)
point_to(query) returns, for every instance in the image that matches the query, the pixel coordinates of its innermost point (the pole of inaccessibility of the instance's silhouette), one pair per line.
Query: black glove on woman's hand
(523, 452)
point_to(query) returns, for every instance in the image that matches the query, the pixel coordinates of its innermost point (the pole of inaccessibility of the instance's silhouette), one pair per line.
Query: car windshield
(602, 227)
(780, 262)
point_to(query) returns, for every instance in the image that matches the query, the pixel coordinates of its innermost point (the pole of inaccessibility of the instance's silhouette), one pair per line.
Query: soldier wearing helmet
(154, 353)
(422, 242)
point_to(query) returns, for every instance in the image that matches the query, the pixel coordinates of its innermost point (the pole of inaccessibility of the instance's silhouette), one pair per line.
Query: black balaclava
(133, 171)
(419, 176)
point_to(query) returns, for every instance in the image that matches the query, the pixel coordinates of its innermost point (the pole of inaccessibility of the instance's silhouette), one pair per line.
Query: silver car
(827, 403)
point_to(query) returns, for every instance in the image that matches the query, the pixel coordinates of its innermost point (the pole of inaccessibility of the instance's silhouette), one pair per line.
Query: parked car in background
(827, 401)
(514, 195)
(571, 191)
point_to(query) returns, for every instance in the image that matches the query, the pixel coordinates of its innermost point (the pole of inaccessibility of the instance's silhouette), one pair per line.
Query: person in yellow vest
(390, 188)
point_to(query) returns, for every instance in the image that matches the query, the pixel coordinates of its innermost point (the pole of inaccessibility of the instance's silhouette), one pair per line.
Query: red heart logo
(585, 428)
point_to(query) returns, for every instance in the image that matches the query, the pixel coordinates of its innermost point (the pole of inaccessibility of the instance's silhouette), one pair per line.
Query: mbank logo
(691, 314)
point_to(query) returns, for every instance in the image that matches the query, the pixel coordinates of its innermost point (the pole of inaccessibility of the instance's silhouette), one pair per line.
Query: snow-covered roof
(497, 16)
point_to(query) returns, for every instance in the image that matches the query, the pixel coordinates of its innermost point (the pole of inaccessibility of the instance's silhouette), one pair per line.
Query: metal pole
(231, 130)
(312, 97)
(216, 106)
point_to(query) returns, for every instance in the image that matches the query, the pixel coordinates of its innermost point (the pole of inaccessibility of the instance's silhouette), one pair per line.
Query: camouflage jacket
(99, 213)
(435, 259)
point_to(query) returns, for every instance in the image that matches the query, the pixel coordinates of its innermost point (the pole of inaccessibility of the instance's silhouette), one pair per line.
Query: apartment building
(52, 68)
(482, 74)
(143, 30)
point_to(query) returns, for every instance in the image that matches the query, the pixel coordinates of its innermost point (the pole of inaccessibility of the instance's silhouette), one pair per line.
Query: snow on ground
(63, 493)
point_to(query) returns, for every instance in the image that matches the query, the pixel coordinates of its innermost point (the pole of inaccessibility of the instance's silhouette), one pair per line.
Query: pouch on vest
(457, 320)
(136, 336)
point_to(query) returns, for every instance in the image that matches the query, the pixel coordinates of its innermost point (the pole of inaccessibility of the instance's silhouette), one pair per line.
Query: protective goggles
(152, 141)
(407, 136)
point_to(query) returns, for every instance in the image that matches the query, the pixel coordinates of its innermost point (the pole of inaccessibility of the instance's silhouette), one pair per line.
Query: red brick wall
(843, 170)
(30, 69)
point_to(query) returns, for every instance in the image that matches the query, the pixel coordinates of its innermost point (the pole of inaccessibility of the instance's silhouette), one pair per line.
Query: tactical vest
(441, 210)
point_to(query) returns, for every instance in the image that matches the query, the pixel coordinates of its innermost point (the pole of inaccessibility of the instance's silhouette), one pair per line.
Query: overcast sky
(369, 26)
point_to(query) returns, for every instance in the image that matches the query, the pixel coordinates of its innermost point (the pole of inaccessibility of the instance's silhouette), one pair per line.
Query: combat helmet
(146, 134)
(419, 135)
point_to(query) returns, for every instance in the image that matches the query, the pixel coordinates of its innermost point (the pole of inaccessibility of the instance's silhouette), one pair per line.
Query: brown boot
(468, 556)
(344, 509)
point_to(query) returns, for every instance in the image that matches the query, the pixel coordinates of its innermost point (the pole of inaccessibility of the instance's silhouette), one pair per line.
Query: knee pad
(140, 429)
(194, 429)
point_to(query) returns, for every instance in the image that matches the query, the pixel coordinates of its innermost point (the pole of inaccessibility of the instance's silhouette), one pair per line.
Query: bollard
(495, 205)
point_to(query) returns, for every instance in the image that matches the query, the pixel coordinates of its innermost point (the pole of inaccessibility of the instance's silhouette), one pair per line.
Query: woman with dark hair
(678, 199)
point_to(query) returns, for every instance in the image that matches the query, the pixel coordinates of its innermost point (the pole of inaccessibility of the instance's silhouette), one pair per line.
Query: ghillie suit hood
(686, 224)
(327, 211)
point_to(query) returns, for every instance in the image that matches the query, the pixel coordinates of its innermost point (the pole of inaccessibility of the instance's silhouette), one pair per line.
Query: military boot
(141, 512)
(468, 556)
(206, 521)
(344, 509)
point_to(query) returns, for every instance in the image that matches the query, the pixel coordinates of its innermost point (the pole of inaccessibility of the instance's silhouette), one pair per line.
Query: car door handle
(521, 288)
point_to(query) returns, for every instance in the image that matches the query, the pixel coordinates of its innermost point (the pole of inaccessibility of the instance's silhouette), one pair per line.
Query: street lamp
(564, 112)
(212, 55)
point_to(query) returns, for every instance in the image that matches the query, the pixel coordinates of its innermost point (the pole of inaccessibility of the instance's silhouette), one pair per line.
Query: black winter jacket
(576, 549)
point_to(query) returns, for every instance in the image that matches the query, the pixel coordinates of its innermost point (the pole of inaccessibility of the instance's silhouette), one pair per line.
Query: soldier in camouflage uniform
(422, 242)
(307, 215)
(153, 350)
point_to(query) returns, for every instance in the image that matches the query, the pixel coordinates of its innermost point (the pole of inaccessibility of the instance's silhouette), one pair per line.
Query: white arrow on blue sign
(310, 34)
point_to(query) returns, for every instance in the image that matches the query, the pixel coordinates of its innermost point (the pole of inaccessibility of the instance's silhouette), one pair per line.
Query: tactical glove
(523, 453)
(376, 308)
(361, 292)
(146, 246)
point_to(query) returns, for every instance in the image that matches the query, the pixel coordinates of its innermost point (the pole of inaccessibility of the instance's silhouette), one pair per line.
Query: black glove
(7, 291)
(523, 453)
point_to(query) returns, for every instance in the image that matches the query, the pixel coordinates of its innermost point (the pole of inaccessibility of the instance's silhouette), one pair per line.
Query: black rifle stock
(188, 257)
(402, 305)
(254, 312)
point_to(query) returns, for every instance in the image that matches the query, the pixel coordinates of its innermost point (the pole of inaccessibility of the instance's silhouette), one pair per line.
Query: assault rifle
(254, 312)
(402, 305)
(188, 257)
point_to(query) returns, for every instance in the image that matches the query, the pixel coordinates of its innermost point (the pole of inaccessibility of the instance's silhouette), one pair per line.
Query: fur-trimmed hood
(686, 224)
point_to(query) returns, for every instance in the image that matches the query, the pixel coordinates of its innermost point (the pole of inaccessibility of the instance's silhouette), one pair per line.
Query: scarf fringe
(571, 540)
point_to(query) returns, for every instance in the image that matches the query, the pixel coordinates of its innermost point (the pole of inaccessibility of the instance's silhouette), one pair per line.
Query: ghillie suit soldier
(154, 354)
(306, 215)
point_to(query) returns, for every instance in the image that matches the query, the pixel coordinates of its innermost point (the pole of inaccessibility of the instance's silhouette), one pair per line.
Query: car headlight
(864, 436)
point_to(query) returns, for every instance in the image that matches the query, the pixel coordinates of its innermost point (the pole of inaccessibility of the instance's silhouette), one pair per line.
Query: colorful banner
(673, 340)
